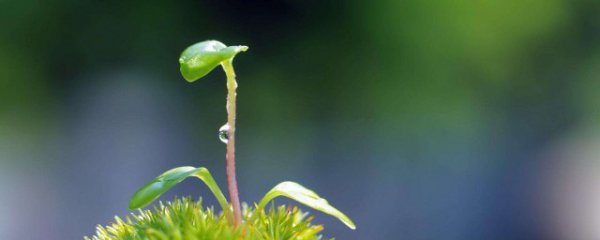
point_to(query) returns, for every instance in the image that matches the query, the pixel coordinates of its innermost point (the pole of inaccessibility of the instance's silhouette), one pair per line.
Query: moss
(185, 219)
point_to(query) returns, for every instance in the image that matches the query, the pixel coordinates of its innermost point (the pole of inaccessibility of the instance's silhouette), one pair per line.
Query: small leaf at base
(168, 179)
(307, 197)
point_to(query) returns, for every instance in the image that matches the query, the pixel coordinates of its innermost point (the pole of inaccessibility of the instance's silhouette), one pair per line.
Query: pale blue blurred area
(420, 120)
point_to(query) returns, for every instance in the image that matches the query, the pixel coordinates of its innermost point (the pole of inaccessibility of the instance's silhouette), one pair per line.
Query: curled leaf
(199, 59)
(307, 197)
(168, 179)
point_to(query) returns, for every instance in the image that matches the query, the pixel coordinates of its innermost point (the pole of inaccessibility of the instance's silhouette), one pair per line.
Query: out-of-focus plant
(183, 219)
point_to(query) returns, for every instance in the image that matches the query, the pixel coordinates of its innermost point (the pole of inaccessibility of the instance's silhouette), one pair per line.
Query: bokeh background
(419, 119)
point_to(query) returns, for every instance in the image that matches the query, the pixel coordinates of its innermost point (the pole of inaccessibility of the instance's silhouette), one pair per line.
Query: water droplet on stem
(224, 133)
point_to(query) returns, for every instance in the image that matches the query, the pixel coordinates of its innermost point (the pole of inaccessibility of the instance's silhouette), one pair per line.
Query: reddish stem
(230, 157)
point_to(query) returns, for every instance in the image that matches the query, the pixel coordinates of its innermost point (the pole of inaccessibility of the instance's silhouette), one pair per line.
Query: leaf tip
(189, 79)
(133, 205)
(350, 224)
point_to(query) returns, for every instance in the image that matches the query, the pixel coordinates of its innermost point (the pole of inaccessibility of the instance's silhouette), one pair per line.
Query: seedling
(196, 61)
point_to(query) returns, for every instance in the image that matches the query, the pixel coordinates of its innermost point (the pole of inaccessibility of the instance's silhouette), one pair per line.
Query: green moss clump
(187, 220)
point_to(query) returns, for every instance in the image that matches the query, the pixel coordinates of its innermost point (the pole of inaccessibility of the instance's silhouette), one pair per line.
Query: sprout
(197, 61)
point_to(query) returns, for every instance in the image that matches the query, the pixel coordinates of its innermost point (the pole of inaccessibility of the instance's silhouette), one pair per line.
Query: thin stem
(231, 180)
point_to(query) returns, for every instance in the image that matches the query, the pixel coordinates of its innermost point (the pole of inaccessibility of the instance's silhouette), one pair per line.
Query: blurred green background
(419, 119)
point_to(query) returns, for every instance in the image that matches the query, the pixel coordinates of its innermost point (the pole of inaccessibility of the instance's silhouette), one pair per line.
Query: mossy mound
(184, 219)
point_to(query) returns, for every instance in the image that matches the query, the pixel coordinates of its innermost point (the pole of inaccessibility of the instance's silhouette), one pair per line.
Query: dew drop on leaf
(224, 133)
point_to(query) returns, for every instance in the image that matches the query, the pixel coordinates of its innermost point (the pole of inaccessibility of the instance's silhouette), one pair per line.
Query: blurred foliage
(440, 64)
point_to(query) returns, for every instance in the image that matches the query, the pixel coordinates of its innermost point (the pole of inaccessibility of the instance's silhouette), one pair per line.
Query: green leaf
(199, 59)
(307, 197)
(170, 178)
